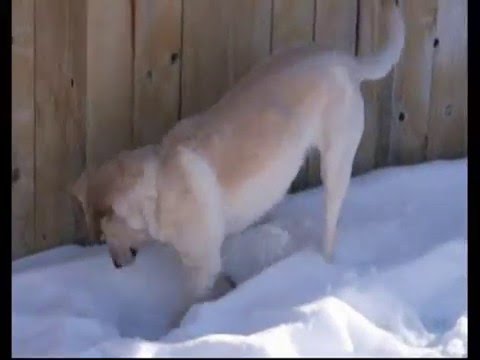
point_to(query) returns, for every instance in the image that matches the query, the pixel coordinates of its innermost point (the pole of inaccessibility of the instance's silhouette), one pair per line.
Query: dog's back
(257, 135)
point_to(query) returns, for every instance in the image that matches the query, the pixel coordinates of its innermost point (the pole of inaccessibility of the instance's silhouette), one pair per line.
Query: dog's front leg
(193, 222)
(199, 251)
(202, 263)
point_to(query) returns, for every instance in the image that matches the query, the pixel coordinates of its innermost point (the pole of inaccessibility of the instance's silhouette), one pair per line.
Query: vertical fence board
(23, 126)
(109, 79)
(76, 132)
(335, 29)
(77, 63)
(335, 25)
(52, 83)
(413, 74)
(157, 68)
(60, 62)
(222, 40)
(293, 24)
(448, 111)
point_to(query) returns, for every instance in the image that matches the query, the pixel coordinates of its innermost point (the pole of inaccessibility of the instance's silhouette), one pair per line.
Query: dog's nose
(230, 282)
(116, 264)
(133, 251)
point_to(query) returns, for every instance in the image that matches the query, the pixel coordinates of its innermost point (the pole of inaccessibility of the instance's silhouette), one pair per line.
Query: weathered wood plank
(373, 148)
(60, 95)
(76, 131)
(293, 24)
(335, 25)
(109, 79)
(412, 84)
(23, 127)
(222, 40)
(157, 68)
(447, 126)
(52, 83)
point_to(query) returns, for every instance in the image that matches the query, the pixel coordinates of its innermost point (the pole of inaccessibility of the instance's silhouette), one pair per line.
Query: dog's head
(99, 191)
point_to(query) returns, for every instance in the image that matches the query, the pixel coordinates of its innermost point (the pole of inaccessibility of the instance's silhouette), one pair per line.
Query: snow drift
(397, 287)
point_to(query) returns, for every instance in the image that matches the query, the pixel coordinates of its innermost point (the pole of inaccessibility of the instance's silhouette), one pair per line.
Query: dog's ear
(79, 188)
(97, 190)
(128, 170)
(108, 182)
(78, 192)
(92, 193)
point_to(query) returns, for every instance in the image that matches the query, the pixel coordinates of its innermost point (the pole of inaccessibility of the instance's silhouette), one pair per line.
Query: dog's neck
(137, 203)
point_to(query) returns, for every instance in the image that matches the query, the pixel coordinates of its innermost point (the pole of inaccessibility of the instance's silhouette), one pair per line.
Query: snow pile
(397, 287)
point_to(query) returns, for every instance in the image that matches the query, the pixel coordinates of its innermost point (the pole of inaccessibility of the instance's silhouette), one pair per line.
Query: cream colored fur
(217, 172)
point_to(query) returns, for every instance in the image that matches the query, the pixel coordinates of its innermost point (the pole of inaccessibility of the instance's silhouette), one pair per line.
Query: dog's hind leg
(336, 168)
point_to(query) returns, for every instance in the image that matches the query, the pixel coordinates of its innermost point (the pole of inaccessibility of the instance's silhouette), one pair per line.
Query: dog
(217, 172)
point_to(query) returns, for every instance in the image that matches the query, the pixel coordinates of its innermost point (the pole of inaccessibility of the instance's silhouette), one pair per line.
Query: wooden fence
(93, 77)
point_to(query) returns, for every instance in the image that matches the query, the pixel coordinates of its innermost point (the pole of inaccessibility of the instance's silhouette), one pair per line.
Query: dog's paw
(223, 285)
(230, 282)
(328, 256)
(315, 247)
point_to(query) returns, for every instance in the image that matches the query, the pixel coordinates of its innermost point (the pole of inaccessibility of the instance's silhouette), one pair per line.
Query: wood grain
(23, 127)
(293, 23)
(412, 84)
(76, 124)
(53, 221)
(157, 68)
(222, 40)
(109, 79)
(335, 25)
(447, 127)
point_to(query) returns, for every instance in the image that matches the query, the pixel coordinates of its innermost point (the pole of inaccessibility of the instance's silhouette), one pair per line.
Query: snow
(397, 287)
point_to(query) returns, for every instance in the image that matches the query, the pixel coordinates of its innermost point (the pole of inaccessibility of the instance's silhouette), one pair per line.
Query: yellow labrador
(217, 172)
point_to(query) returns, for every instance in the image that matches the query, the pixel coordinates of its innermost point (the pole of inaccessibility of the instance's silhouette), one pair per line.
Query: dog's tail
(378, 65)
